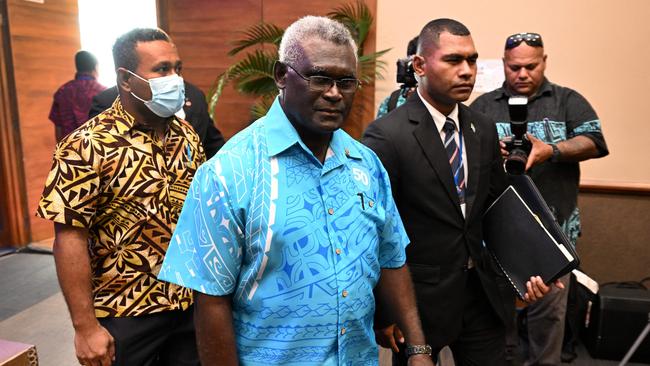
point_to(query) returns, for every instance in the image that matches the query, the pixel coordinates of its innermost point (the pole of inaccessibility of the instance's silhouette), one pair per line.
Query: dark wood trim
(637, 189)
(12, 174)
(162, 15)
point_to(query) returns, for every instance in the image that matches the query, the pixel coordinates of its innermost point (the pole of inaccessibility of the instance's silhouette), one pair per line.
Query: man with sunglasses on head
(115, 191)
(564, 130)
(290, 228)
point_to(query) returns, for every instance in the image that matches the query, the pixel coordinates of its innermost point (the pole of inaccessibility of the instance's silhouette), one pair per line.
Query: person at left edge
(194, 111)
(289, 228)
(115, 191)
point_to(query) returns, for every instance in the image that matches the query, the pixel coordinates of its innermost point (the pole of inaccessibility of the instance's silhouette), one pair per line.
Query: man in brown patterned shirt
(115, 191)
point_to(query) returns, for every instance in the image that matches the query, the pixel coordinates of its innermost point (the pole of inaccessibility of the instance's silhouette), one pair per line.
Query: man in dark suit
(195, 109)
(460, 292)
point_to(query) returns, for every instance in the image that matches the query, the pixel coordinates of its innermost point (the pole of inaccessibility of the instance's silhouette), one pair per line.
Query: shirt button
(371, 203)
(338, 251)
(342, 331)
(345, 293)
(330, 211)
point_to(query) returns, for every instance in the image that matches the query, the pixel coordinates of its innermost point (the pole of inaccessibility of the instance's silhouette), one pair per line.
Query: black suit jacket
(409, 145)
(196, 113)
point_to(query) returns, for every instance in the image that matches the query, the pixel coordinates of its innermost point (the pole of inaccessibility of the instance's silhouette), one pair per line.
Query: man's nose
(465, 69)
(523, 74)
(333, 93)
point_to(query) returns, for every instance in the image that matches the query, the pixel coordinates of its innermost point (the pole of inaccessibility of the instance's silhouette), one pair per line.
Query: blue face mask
(167, 94)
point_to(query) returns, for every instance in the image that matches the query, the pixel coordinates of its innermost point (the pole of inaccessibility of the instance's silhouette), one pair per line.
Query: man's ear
(418, 65)
(280, 74)
(123, 78)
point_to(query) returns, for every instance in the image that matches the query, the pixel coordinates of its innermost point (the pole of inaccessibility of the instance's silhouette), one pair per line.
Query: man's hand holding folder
(537, 289)
(526, 242)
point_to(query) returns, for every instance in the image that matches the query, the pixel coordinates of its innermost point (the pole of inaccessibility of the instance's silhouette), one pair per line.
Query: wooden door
(13, 221)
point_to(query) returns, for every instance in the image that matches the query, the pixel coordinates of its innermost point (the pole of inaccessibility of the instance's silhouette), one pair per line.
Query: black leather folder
(525, 239)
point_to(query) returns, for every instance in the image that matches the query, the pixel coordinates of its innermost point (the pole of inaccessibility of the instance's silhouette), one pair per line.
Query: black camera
(518, 145)
(405, 73)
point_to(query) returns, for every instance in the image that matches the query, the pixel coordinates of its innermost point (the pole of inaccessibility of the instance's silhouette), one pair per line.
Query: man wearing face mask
(115, 191)
(194, 111)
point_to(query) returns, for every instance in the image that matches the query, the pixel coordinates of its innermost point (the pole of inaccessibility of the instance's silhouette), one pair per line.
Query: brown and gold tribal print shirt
(116, 178)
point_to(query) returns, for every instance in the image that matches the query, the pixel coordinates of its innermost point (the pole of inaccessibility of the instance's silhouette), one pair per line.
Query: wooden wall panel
(14, 230)
(615, 236)
(44, 39)
(204, 32)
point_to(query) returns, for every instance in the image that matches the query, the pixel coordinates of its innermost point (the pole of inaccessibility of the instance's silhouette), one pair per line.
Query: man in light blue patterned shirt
(290, 230)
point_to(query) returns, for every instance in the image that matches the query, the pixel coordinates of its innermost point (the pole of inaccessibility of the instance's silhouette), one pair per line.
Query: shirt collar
(125, 122)
(281, 135)
(439, 118)
(83, 76)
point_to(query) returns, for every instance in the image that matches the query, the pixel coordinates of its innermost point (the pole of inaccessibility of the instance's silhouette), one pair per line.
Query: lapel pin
(471, 125)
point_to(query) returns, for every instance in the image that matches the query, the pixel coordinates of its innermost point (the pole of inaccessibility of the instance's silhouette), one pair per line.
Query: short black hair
(412, 47)
(124, 54)
(430, 34)
(85, 61)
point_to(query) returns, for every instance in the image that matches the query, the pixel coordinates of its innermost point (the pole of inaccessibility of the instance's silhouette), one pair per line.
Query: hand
(389, 337)
(502, 146)
(540, 152)
(537, 289)
(417, 360)
(94, 346)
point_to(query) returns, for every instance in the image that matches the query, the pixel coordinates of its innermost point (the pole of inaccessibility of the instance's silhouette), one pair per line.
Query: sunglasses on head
(531, 39)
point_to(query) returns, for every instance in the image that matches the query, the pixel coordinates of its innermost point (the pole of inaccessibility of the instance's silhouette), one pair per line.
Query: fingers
(530, 162)
(111, 350)
(502, 147)
(398, 335)
(535, 289)
(95, 347)
(385, 337)
(106, 360)
(393, 345)
(397, 339)
(541, 286)
(559, 284)
(97, 360)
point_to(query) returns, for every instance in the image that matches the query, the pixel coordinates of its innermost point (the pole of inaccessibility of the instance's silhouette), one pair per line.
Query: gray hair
(313, 27)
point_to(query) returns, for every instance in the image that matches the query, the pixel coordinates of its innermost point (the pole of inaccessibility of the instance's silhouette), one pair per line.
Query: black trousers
(481, 341)
(160, 339)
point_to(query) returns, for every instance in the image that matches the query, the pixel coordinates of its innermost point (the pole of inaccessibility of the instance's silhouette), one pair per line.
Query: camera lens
(516, 162)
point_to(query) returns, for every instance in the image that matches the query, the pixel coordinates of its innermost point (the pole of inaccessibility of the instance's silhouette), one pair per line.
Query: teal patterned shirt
(298, 244)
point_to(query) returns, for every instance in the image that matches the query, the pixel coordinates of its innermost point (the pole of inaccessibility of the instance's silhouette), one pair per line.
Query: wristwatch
(417, 349)
(555, 157)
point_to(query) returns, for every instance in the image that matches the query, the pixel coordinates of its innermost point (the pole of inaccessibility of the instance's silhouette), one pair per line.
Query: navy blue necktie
(455, 158)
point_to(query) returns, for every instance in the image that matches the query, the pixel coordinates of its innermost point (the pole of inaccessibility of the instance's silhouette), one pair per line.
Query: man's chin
(329, 124)
(522, 90)
(461, 97)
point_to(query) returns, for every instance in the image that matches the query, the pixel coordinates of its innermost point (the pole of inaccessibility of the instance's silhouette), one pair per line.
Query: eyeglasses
(322, 84)
(531, 39)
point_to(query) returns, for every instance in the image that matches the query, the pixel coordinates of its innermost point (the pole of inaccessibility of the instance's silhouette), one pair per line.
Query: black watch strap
(555, 157)
(417, 349)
